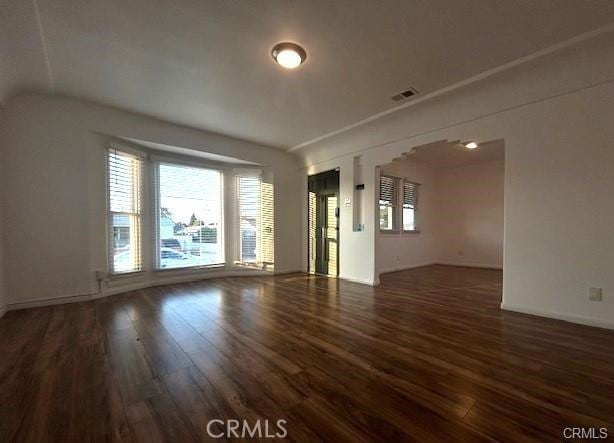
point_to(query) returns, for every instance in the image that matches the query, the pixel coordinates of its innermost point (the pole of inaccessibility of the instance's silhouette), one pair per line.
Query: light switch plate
(594, 294)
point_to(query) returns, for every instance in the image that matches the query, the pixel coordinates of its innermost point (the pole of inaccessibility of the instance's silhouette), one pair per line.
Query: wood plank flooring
(426, 356)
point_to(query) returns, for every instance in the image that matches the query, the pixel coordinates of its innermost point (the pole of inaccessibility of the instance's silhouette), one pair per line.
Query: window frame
(416, 229)
(109, 213)
(154, 165)
(395, 205)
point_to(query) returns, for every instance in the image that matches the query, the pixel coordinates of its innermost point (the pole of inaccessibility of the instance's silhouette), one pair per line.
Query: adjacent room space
(306, 221)
(442, 203)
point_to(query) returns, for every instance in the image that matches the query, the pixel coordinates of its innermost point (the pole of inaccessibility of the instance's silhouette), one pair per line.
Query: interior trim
(572, 318)
(133, 287)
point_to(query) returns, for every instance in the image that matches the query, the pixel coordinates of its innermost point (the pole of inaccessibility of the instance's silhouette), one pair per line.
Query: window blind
(250, 230)
(387, 191)
(267, 212)
(256, 220)
(388, 203)
(125, 172)
(409, 195)
(189, 228)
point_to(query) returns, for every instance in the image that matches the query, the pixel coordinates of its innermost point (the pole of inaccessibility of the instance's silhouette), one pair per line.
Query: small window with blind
(188, 225)
(388, 203)
(410, 209)
(255, 220)
(125, 173)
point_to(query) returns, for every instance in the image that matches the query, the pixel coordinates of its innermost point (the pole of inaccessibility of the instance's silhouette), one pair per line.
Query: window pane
(190, 216)
(126, 254)
(386, 217)
(409, 222)
(410, 197)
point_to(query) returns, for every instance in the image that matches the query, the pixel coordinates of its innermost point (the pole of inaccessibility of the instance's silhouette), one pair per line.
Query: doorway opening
(323, 223)
(442, 204)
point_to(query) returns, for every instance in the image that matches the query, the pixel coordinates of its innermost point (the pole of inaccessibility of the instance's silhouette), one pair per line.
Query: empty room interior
(306, 220)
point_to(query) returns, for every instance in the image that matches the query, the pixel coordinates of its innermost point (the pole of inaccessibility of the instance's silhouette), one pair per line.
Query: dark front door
(323, 233)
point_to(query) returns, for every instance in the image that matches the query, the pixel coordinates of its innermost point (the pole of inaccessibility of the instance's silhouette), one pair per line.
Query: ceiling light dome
(289, 55)
(471, 145)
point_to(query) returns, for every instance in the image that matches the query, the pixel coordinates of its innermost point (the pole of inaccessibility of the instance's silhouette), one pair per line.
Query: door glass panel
(331, 234)
(312, 231)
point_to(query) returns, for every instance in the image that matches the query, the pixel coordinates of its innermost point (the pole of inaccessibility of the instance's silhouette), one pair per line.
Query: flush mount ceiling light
(471, 145)
(289, 55)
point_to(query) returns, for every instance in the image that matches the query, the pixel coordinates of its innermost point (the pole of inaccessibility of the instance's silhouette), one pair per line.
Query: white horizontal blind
(267, 213)
(410, 198)
(312, 231)
(387, 191)
(256, 220)
(387, 203)
(189, 224)
(125, 172)
(250, 223)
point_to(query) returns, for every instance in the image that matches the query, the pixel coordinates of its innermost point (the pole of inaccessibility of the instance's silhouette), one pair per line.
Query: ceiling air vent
(405, 94)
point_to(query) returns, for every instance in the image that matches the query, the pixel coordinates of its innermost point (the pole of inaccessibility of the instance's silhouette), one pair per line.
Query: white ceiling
(189, 152)
(207, 64)
(442, 155)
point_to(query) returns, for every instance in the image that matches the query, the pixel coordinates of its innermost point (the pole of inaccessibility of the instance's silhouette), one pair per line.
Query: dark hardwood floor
(427, 356)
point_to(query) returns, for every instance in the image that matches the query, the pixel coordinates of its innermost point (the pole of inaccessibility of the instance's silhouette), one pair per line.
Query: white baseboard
(405, 267)
(37, 303)
(135, 286)
(443, 263)
(572, 318)
(361, 281)
(469, 265)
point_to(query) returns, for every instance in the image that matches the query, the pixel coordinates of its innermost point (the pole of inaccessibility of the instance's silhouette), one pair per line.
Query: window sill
(389, 232)
(415, 231)
(191, 268)
(122, 275)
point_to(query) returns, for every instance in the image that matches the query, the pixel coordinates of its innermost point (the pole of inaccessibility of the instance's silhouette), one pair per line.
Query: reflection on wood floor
(426, 356)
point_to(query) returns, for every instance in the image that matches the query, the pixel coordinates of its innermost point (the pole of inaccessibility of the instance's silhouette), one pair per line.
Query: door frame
(338, 211)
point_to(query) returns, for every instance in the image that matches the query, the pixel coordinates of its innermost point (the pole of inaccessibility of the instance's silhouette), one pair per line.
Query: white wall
(2, 191)
(397, 251)
(22, 57)
(55, 231)
(469, 211)
(555, 115)
(460, 218)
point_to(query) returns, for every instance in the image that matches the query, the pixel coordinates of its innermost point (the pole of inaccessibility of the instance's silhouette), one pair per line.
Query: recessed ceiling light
(471, 145)
(289, 55)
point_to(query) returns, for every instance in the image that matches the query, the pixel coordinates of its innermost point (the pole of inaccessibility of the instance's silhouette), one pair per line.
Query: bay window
(177, 205)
